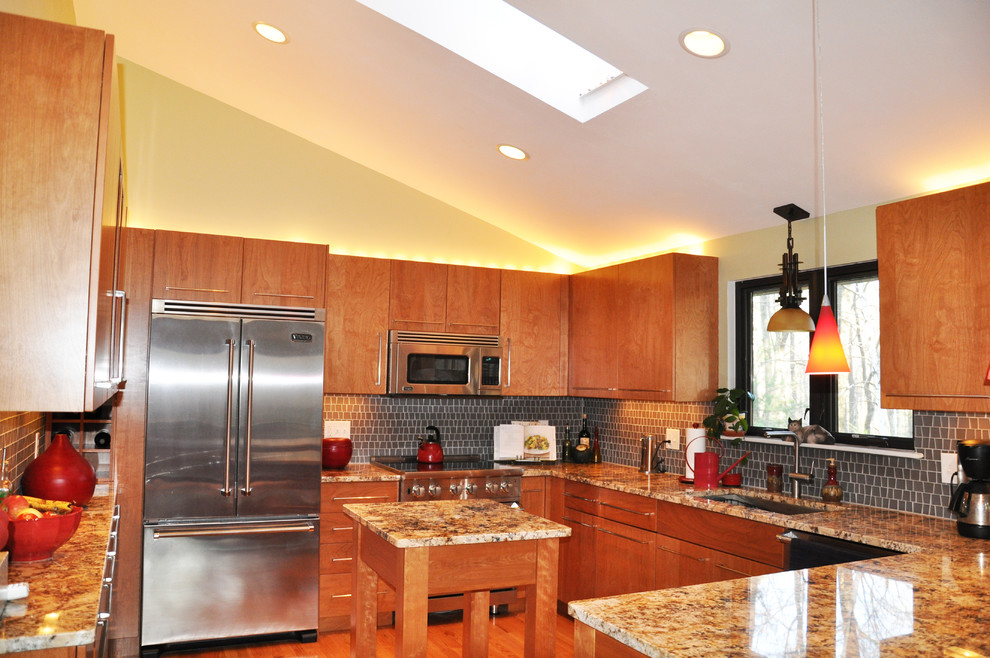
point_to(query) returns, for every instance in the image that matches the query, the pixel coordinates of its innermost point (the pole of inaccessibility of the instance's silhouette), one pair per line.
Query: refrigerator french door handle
(226, 490)
(246, 489)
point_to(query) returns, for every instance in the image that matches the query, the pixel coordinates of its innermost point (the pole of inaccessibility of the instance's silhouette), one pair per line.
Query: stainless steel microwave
(430, 363)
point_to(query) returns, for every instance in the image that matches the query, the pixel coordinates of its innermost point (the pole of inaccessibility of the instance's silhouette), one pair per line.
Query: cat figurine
(809, 433)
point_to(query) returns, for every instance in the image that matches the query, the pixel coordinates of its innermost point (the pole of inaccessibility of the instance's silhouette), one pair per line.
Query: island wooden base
(474, 569)
(589, 643)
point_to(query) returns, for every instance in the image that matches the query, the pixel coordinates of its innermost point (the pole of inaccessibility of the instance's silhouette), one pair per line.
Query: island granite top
(449, 522)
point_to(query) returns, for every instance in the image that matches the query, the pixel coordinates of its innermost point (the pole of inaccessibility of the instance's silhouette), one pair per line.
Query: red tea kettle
(430, 451)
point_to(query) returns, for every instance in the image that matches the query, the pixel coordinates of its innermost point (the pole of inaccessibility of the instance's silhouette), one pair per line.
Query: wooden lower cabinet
(337, 551)
(625, 562)
(533, 495)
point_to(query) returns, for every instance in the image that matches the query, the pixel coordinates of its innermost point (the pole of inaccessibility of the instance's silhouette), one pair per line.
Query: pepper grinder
(831, 491)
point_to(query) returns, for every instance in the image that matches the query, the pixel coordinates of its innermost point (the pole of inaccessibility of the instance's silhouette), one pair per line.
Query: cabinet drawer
(336, 558)
(581, 497)
(637, 511)
(335, 595)
(334, 496)
(336, 528)
(749, 539)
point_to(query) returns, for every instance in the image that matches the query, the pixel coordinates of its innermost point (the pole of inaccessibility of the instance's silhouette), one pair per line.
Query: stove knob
(471, 488)
(434, 490)
(417, 490)
(456, 489)
(492, 488)
(504, 487)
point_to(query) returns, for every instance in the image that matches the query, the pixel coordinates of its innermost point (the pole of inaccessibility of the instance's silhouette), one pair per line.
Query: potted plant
(727, 419)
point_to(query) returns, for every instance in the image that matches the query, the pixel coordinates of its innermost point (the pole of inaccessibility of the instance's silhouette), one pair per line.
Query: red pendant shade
(827, 356)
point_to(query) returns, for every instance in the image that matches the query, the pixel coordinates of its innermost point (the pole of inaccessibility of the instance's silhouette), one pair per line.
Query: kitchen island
(60, 612)
(445, 547)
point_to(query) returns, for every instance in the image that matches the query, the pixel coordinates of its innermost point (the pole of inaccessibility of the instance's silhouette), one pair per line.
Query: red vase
(336, 453)
(60, 473)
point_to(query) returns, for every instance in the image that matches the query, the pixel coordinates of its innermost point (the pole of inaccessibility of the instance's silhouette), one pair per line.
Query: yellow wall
(196, 164)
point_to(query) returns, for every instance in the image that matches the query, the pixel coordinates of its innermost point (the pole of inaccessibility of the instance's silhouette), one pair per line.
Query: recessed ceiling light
(512, 152)
(270, 32)
(704, 43)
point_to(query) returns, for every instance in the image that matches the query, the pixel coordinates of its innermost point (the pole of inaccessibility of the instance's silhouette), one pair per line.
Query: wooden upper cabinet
(931, 255)
(197, 267)
(646, 330)
(472, 300)
(444, 298)
(232, 270)
(357, 295)
(418, 296)
(284, 273)
(592, 331)
(534, 331)
(61, 204)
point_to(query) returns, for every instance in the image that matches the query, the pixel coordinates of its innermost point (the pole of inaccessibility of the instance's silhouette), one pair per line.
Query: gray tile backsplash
(388, 426)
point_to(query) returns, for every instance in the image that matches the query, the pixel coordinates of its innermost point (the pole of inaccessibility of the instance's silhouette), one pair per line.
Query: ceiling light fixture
(704, 43)
(826, 356)
(270, 32)
(790, 316)
(513, 152)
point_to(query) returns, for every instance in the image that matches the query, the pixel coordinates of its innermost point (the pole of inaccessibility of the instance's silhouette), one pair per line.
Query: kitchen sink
(767, 504)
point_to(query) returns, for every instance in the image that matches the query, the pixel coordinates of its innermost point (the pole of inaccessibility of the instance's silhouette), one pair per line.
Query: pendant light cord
(821, 139)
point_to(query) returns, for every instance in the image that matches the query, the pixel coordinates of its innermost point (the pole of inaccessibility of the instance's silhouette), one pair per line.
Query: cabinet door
(752, 540)
(681, 563)
(472, 300)
(197, 267)
(694, 357)
(532, 496)
(534, 328)
(644, 321)
(624, 558)
(726, 566)
(283, 273)
(592, 333)
(56, 134)
(932, 250)
(357, 325)
(576, 569)
(418, 296)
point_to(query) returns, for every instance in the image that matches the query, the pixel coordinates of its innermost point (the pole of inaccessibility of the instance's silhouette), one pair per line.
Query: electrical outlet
(674, 439)
(950, 465)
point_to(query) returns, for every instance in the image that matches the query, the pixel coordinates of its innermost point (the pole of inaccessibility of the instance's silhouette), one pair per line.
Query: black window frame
(823, 389)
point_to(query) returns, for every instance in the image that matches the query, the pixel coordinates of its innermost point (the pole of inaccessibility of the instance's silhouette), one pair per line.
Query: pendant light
(826, 356)
(790, 316)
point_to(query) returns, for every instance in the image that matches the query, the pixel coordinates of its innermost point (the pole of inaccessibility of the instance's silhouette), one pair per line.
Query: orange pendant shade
(986, 382)
(827, 356)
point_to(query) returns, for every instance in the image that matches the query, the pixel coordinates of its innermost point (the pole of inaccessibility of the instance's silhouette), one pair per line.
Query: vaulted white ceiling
(706, 151)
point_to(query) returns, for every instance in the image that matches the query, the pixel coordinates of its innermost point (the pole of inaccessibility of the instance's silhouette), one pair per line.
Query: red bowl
(38, 539)
(337, 453)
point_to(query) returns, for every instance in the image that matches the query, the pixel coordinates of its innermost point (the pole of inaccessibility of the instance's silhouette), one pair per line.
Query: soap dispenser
(831, 491)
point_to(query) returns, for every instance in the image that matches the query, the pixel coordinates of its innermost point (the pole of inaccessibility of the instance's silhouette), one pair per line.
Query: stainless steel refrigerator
(232, 472)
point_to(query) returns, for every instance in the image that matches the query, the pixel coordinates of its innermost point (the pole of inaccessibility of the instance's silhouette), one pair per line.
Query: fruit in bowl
(37, 528)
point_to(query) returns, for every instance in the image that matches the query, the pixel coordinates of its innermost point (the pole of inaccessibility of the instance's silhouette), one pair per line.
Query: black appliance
(971, 498)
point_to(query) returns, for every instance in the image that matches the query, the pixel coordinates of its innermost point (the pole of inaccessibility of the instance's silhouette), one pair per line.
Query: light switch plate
(674, 439)
(950, 464)
(337, 429)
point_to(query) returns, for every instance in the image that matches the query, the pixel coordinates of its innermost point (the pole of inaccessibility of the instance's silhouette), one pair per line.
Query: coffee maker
(971, 498)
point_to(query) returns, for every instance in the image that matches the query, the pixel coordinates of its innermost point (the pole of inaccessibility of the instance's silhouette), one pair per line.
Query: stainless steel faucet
(796, 476)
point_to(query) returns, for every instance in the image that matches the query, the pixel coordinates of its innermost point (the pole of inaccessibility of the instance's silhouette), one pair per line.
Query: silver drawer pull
(567, 518)
(936, 395)
(615, 534)
(624, 509)
(730, 569)
(340, 596)
(346, 527)
(360, 498)
(587, 500)
(341, 559)
(279, 294)
(217, 290)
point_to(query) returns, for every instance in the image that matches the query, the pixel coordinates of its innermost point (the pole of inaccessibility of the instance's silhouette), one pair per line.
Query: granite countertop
(449, 522)
(358, 473)
(64, 596)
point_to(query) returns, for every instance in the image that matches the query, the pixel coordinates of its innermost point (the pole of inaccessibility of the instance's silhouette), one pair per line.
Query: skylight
(522, 51)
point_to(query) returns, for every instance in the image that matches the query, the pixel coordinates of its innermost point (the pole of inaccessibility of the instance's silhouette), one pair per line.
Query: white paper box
(509, 441)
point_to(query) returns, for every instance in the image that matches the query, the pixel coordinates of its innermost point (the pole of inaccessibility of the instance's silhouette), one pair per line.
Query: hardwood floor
(505, 638)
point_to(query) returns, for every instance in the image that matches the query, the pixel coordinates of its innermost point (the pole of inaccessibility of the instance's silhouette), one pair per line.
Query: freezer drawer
(209, 581)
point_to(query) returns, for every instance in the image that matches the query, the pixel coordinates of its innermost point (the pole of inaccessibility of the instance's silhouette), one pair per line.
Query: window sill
(886, 452)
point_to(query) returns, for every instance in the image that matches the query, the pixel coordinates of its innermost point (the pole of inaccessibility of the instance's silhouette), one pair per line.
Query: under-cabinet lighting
(519, 49)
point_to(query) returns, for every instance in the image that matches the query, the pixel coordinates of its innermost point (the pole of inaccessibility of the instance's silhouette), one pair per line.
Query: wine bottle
(596, 453)
(567, 443)
(584, 436)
